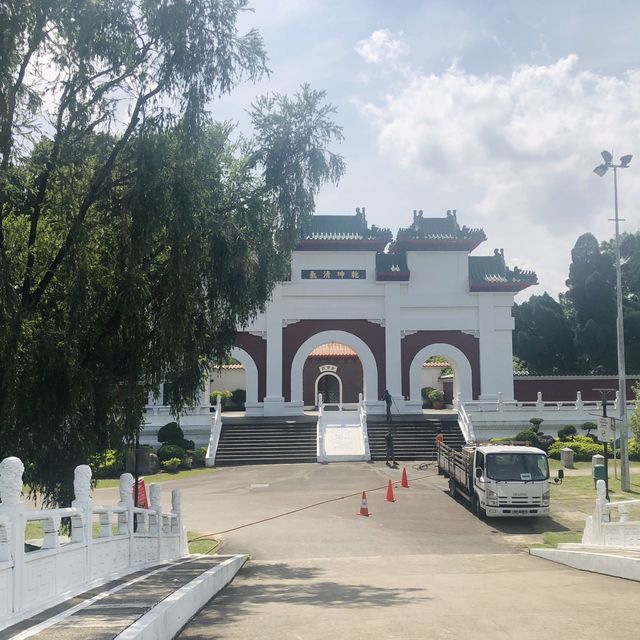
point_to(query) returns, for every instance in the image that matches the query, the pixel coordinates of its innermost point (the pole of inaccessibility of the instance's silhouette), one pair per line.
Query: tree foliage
(135, 233)
(579, 334)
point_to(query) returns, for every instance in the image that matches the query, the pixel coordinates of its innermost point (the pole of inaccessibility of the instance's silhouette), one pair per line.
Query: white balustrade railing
(499, 417)
(214, 437)
(35, 575)
(465, 422)
(602, 530)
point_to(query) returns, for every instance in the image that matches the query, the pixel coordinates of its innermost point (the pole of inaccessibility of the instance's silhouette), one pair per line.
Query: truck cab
(511, 481)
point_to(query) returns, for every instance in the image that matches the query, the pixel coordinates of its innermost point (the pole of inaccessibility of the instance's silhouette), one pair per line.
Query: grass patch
(554, 538)
(207, 545)
(163, 476)
(634, 466)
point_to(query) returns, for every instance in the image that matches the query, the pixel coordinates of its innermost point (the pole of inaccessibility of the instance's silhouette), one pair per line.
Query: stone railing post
(126, 523)
(579, 402)
(539, 402)
(82, 501)
(13, 509)
(155, 523)
(176, 510)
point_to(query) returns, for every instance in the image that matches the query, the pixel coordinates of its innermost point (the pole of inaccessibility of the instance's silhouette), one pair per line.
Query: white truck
(498, 480)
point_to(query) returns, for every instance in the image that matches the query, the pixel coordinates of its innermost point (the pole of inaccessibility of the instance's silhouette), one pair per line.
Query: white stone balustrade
(60, 567)
(484, 420)
(603, 530)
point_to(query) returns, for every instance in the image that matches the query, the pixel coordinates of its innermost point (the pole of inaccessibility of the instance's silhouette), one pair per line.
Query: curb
(168, 617)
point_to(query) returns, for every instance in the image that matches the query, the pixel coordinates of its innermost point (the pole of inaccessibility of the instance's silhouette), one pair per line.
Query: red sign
(142, 501)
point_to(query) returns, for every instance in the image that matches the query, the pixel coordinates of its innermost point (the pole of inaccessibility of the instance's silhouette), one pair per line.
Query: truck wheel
(452, 487)
(478, 511)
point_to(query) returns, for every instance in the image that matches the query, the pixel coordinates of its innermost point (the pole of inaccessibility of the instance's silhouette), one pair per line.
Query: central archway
(458, 362)
(369, 367)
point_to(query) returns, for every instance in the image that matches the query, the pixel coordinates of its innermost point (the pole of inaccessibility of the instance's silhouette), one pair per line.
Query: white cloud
(382, 46)
(525, 146)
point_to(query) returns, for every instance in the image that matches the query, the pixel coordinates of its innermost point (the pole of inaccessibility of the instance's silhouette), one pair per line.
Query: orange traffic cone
(405, 481)
(390, 497)
(364, 510)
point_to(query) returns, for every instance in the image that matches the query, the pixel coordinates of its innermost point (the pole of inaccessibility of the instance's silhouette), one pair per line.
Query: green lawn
(163, 476)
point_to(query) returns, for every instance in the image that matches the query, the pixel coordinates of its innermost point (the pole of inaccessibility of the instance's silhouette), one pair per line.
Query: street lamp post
(622, 378)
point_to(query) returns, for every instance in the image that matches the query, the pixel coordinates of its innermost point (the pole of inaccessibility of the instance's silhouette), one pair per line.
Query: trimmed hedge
(199, 456)
(567, 432)
(582, 446)
(168, 451)
(172, 464)
(170, 433)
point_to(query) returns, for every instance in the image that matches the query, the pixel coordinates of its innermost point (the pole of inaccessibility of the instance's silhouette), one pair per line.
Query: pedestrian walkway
(138, 605)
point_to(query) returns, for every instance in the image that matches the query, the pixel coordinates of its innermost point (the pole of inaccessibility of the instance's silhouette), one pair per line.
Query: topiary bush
(567, 432)
(168, 451)
(424, 392)
(535, 424)
(199, 456)
(582, 446)
(171, 433)
(171, 465)
(186, 462)
(238, 399)
(529, 436)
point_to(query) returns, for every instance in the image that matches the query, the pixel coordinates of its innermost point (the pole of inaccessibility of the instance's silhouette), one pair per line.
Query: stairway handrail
(465, 423)
(214, 436)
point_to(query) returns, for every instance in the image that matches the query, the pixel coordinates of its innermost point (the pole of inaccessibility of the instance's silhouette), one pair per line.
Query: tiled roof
(348, 232)
(490, 273)
(391, 267)
(333, 350)
(437, 234)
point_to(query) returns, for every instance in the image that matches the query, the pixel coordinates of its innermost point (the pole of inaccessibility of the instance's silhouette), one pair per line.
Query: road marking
(258, 486)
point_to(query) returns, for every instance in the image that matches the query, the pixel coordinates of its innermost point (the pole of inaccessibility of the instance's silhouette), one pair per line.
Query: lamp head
(625, 160)
(607, 157)
(600, 170)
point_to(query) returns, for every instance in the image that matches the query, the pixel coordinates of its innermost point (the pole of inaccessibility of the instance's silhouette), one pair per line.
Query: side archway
(251, 372)
(369, 367)
(463, 378)
(338, 380)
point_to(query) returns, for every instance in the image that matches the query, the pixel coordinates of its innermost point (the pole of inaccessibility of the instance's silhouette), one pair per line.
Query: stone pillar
(274, 401)
(488, 348)
(13, 509)
(392, 339)
(82, 494)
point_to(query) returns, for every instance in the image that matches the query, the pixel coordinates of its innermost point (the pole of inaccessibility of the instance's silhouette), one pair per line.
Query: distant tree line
(577, 334)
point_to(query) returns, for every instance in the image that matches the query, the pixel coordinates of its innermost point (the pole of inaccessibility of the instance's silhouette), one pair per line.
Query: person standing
(388, 400)
(391, 454)
(439, 438)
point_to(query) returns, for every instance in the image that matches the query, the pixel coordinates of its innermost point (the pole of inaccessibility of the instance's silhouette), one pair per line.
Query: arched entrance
(457, 360)
(251, 373)
(365, 356)
(330, 386)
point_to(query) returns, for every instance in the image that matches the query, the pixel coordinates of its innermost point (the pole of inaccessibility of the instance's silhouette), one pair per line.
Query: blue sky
(498, 109)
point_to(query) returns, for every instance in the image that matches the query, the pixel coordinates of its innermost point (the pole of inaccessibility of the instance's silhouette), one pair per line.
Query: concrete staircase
(413, 436)
(267, 441)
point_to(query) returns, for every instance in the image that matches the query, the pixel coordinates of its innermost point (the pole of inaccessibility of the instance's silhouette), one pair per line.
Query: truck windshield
(517, 466)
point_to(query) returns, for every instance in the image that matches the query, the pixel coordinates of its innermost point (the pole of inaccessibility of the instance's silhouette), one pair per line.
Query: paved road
(422, 567)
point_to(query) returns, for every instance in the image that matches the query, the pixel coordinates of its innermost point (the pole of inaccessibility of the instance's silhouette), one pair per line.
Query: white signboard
(604, 429)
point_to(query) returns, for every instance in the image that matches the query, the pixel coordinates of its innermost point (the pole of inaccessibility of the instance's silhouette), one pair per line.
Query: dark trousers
(388, 413)
(391, 454)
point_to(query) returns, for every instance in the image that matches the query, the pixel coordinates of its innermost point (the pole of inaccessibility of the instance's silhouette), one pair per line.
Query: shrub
(168, 451)
(171, 465)
(567, 432)
(435, 395)
(425, 391)
(109, 464)
(186, 462)
(171, 433)
(529, 436)
(588, 427)
(582, 446)
(544, 441)
(187, 445)
(634, 449)
(199, 456)
(225, 396)
(535, 424)
(238, 398)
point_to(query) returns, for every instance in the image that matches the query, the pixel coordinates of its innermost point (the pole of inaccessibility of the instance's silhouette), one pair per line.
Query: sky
(498, 109)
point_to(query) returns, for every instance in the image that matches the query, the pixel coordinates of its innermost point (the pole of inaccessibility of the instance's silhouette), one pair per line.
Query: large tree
(135, 234)
(542, 337)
